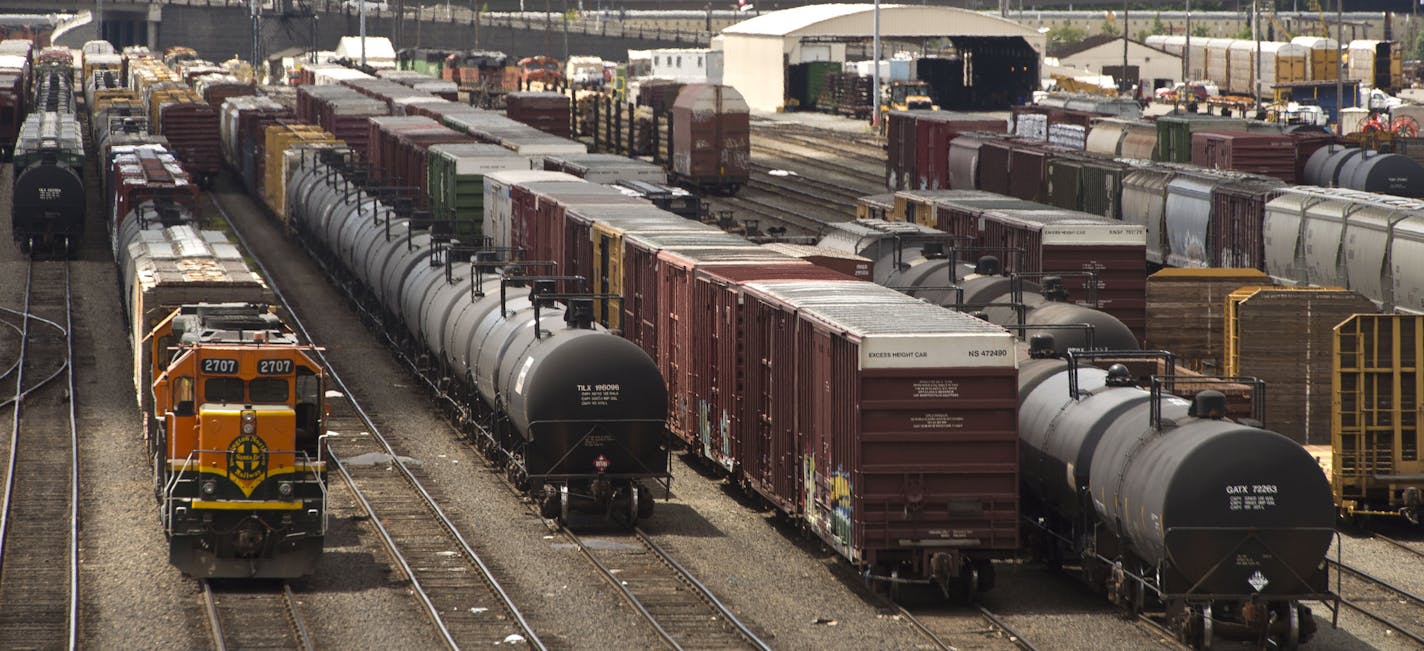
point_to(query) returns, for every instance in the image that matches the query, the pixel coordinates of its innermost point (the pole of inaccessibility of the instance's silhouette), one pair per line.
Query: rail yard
(368, 357)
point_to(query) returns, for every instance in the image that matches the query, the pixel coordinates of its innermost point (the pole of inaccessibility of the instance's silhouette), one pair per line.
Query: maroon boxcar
(1068, 241)
(547, 112)
(1268, 154)
(382, 143)
(675, 317)
(933, 133)
(1238, 214)
(717, 381)
(888, 424)
(643, 296)
(993, 170)
(711, 138)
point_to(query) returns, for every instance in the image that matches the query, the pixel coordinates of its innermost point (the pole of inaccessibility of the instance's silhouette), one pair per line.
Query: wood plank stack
(1184, 312)
(1285, 336)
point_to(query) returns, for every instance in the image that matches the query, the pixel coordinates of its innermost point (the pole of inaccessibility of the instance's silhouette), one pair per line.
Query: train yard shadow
(351, 571)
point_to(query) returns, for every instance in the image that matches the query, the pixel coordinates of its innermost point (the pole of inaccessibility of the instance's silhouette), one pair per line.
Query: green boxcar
(1174, 133)
(1101, 188)
(457, 182)
(1064, 182)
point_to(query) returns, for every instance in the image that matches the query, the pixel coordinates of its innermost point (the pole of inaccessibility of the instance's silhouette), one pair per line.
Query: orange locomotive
(239, 414)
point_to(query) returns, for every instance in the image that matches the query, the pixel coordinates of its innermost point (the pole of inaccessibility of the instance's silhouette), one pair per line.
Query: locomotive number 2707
(219, 366)
(274, 366)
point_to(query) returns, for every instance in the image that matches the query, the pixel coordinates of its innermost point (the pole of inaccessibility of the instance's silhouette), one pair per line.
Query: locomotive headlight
(249, 422)
(210, 488)
(284, 489)
(248, 428)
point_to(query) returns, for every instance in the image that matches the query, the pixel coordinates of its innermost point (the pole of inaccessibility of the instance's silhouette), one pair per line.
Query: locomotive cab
(238, 403)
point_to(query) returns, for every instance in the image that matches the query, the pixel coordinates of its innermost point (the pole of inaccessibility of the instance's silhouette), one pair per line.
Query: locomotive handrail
(1075, 354)
(1258, 392)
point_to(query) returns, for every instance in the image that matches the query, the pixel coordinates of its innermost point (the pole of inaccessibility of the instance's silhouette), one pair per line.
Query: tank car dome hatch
(988, 265)
(1208, 404)
(1383, 173)
(1119, 376)
(1042, 347)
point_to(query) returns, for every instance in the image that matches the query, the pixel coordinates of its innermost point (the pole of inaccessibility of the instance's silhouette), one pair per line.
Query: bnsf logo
(50, 194)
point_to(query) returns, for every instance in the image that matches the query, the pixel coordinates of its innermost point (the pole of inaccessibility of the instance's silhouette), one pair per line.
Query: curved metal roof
(902, 20)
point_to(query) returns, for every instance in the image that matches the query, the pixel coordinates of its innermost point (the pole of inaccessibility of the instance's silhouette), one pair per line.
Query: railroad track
(862, 170)
(680, 608)
(246, 615)
(1417, 552)
(832, 196)
(979, 628)
(1395, 607)
(465, 602)
(39, 520)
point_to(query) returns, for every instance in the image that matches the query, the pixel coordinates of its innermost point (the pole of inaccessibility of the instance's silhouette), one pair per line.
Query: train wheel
(564, 505)
(969, 584)
(1291, 640)
(1205, 639)
(633, 507)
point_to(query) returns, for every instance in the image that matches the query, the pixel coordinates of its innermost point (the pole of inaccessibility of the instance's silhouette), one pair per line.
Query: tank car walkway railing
(38, 592)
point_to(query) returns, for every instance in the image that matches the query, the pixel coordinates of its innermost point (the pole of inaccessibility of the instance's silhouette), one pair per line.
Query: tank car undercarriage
(1102, 561)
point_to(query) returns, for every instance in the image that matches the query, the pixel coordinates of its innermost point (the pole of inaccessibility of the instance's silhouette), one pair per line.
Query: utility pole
(1125, 37)
(362, 9)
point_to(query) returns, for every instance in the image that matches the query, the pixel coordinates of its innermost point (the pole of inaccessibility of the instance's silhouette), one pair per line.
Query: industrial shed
(1002, 56)
(1098, 54)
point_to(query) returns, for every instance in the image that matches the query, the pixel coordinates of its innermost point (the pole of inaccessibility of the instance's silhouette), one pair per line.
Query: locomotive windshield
(236, 391)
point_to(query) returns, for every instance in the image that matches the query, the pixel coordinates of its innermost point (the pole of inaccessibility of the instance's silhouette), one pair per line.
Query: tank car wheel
(1292, 636)
(564, 505)
(1205, 640)
(893, 585)
(632, 514)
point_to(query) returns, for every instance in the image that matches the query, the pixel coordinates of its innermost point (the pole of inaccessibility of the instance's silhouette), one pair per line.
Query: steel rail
(405, 470)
